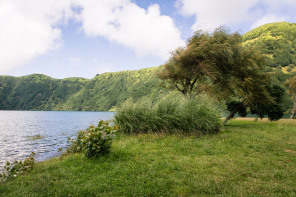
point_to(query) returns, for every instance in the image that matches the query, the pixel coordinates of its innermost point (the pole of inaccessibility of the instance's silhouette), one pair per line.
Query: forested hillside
(103, 92)
(277, 40)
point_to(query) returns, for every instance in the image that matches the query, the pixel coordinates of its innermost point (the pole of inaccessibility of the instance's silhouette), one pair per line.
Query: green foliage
(290, 67)
(219, 64)
(36, 92)
(94, 141)
(74, 145)
(291, 85)
(13, 169)
(169, 115)
(277, 41)
(207, 60)
(242, 109)
(103, 92)
(273, 109)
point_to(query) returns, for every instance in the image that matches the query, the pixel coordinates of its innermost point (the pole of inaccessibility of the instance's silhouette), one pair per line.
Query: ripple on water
(23, 132)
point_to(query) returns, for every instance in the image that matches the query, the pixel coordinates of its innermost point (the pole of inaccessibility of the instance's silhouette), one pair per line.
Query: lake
(42, 132)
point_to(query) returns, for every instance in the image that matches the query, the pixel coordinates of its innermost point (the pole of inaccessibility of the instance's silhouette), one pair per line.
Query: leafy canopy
(277, 40)
(217, 63)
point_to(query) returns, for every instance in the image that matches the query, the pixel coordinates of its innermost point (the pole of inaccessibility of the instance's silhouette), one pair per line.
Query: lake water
(18, 129)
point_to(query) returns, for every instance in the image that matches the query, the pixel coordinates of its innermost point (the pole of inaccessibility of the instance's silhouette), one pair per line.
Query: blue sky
(81, 38)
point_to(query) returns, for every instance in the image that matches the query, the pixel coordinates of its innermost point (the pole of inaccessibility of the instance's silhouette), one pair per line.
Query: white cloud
(147, 32)
(31, 28)
(268, 19)
(276, 11)
(27, 29)
(211, 14)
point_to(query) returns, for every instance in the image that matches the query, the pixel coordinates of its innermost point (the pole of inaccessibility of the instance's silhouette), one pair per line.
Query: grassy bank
(246, 159)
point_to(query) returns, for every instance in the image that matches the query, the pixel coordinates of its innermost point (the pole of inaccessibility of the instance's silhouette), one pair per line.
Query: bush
(17, 167)
(183, 115)
(74, 145)
(94, 141)
(268, 69)
(231, 106)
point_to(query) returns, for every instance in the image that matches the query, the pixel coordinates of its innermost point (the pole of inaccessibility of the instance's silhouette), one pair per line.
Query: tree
(219, 64)
(291, 84)
(274, 109)
(207, 59)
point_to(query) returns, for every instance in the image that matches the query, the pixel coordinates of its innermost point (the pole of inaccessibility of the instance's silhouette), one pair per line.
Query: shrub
(182, 115)
(17, 167)
(231, 106)
(94, 141)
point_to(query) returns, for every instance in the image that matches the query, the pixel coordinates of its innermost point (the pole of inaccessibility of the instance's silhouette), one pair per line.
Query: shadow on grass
(114, 156)
(245, 124)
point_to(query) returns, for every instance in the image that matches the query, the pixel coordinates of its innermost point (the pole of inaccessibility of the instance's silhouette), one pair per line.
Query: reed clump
(186, 116)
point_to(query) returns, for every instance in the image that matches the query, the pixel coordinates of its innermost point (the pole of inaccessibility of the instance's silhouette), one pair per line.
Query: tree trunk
(294, 109)
(232, 114)
(293, 115)
(256, 119)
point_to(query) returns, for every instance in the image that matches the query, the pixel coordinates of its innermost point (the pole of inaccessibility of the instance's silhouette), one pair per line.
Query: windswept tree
(206, 60)
(291, 84)
(219, 64)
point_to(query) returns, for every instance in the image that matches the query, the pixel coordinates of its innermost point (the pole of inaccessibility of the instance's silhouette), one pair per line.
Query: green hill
(103, 92)
(277, 40)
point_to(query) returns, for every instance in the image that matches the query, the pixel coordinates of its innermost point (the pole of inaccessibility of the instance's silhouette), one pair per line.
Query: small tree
(273, 109)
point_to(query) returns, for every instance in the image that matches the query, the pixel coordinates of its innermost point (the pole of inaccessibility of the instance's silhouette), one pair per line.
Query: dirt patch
(290, 151)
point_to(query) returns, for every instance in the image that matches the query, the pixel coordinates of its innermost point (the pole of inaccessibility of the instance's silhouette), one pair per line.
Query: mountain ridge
(101, 93)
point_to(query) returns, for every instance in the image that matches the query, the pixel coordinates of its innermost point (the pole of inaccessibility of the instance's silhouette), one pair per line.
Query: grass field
(246, 159)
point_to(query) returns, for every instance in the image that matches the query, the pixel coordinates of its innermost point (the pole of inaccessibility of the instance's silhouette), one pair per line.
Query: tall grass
(186, 116)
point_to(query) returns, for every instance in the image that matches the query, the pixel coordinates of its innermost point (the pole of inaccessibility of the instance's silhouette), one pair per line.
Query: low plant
(74, 145)
(186, 116)
(94, 141)
(12, 169)
(36, 137)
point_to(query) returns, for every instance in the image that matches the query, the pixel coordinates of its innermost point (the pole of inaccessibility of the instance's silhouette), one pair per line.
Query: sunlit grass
(246, 159)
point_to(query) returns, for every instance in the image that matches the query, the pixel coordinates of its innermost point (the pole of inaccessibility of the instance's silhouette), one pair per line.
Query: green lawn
(246, 159)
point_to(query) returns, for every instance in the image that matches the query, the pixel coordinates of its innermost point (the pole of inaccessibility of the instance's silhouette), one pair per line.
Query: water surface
(42, 132)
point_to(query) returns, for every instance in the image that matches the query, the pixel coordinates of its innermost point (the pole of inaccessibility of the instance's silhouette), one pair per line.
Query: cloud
(147, 32)
(31, 28)
(211, 14)
(276, 11)
(268, 19)
(27, 29)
